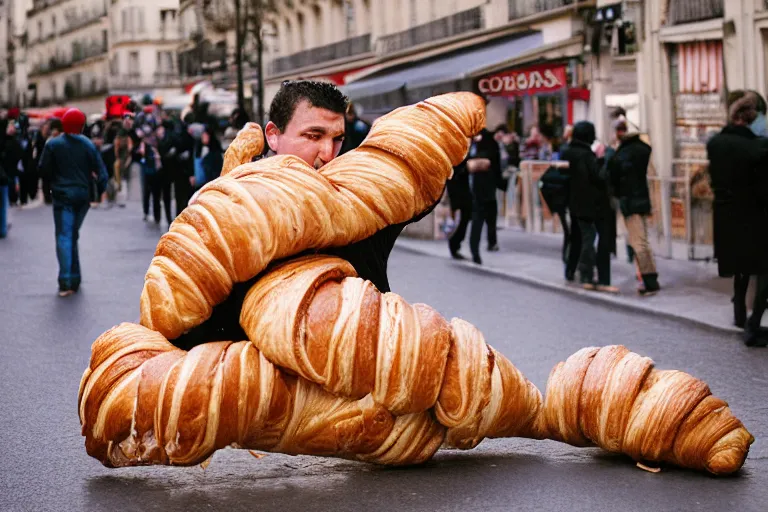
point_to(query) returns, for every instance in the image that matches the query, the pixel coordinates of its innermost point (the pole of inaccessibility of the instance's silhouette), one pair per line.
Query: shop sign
(524, 81)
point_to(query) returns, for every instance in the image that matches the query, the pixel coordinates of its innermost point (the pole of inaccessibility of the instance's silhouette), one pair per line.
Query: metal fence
(680, 224)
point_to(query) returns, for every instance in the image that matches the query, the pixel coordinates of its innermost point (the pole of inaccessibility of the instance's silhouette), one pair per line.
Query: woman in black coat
(589, 204)
(738, 168)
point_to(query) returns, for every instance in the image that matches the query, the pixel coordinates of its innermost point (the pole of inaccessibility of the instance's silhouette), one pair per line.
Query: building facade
(67, 52)
(143, 36)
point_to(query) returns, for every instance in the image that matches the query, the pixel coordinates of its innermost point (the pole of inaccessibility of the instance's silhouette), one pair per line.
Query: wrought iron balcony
(75, 21)
(524, 8)
(137, 81)
(689, 11)
(83, 51)
(53, 64)
(347, 48)
(456, 24)
(95, 88)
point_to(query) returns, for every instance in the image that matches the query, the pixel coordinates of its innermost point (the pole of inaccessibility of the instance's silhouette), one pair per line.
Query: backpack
(554, 186)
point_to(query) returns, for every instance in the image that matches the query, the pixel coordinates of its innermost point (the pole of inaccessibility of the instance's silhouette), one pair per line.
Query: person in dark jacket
(167, 147)
(590, 206)
(183, 183)
(210, 155)
(627, 170)
(460, 198)
(355, 130)
(71, 162)
(151, 173)
(484, 165)
(738, 168)
(13, 163)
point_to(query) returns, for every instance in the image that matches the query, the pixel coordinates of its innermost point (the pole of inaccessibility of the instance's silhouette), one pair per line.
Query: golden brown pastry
(143, 401)
(280, 206)
(314, 317)
(248, 143)
(616, 399)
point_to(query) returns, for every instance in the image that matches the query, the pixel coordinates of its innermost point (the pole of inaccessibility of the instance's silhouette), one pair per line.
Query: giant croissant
(617, 400)
(280, 206)
(405, 381)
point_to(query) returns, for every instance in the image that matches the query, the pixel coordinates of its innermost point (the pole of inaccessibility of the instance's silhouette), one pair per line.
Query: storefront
(699, 98)
(539, 95)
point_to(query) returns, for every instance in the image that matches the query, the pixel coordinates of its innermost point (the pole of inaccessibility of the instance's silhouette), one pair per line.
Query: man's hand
(192, 181)
(478, 165)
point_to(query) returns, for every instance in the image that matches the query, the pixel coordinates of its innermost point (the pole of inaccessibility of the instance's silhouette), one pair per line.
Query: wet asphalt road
(46, 343)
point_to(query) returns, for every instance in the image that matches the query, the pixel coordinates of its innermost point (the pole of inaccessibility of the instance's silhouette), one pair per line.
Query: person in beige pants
(627, 172)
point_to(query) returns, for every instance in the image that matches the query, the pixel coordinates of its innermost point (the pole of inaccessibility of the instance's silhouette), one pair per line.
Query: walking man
(71, 163)
(627, 171)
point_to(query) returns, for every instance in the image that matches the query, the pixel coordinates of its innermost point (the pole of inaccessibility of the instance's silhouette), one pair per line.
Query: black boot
(650, 285)
(739, 313)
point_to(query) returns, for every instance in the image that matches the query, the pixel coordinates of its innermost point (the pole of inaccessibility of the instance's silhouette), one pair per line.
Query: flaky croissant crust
(280, 206)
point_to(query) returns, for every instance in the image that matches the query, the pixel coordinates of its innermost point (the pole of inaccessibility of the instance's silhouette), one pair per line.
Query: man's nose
(326, 151)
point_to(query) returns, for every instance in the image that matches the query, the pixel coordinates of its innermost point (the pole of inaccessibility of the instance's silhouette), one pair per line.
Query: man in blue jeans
(72, 163)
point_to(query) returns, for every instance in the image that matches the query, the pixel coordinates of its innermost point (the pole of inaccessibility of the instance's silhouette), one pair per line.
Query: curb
(563, 289)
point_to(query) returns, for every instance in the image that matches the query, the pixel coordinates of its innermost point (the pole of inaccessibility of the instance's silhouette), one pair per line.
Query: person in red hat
(72, 163)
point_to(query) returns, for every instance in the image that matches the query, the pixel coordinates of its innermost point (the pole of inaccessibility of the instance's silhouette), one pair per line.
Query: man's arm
(46, 163)
(98, 169)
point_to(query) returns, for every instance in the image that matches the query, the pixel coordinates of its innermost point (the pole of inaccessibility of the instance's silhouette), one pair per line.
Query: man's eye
(312, 136)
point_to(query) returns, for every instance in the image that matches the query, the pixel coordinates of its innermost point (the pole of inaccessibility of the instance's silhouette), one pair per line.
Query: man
(737, 166)
(627, 170)
(484, 165)
(306, 121)
(590, 206)
(460, 199)
(355, 130)
(71, 162)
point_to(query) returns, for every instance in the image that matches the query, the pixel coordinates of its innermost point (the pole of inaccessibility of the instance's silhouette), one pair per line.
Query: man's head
(620, 127)
(307, 121)
(743, 111)
(73, 121)
(56, 127)
(11, 129)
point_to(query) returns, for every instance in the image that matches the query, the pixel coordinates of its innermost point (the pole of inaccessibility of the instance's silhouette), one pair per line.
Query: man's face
(313, 134)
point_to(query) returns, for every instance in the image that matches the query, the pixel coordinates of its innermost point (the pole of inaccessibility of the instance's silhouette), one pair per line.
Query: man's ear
(272, 133)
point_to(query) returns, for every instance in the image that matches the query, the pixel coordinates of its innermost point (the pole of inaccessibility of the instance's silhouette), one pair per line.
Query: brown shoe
(607, 288)
(588, 286)
(66, 293)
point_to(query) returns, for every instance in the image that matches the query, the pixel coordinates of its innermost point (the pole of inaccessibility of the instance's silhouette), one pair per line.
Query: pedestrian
(484, 166)
(123, 147)
(355, 130)
(13, 162)
(590, 206)
(627, 171)
(167, 148)
(738, 168)
(209, 157)
(71, 162)
(38, 143)
(184, 182)
(531, 147)
(4, 182)
(151, 170)
(460, 199)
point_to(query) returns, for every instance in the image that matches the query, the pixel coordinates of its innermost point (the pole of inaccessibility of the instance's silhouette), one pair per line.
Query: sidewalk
(691, 291)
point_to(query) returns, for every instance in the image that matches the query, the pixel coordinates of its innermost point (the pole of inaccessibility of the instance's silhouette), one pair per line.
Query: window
(141, 26)
(124, 20)
(302, 34)
(414, 19)
(349, 17)
(53, 24)
(133, 64)
(40, 29)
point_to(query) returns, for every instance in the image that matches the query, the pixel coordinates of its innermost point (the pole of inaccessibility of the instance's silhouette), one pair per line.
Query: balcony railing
(456, 24)
(53, 64)
(86, 51)
(166, 33)
(95, 88)
(688, 11)
(75, 21)
(137, 81)
(346, 48)
(524, 8)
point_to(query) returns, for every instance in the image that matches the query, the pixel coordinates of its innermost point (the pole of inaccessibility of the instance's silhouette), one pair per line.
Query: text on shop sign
(524, 81)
